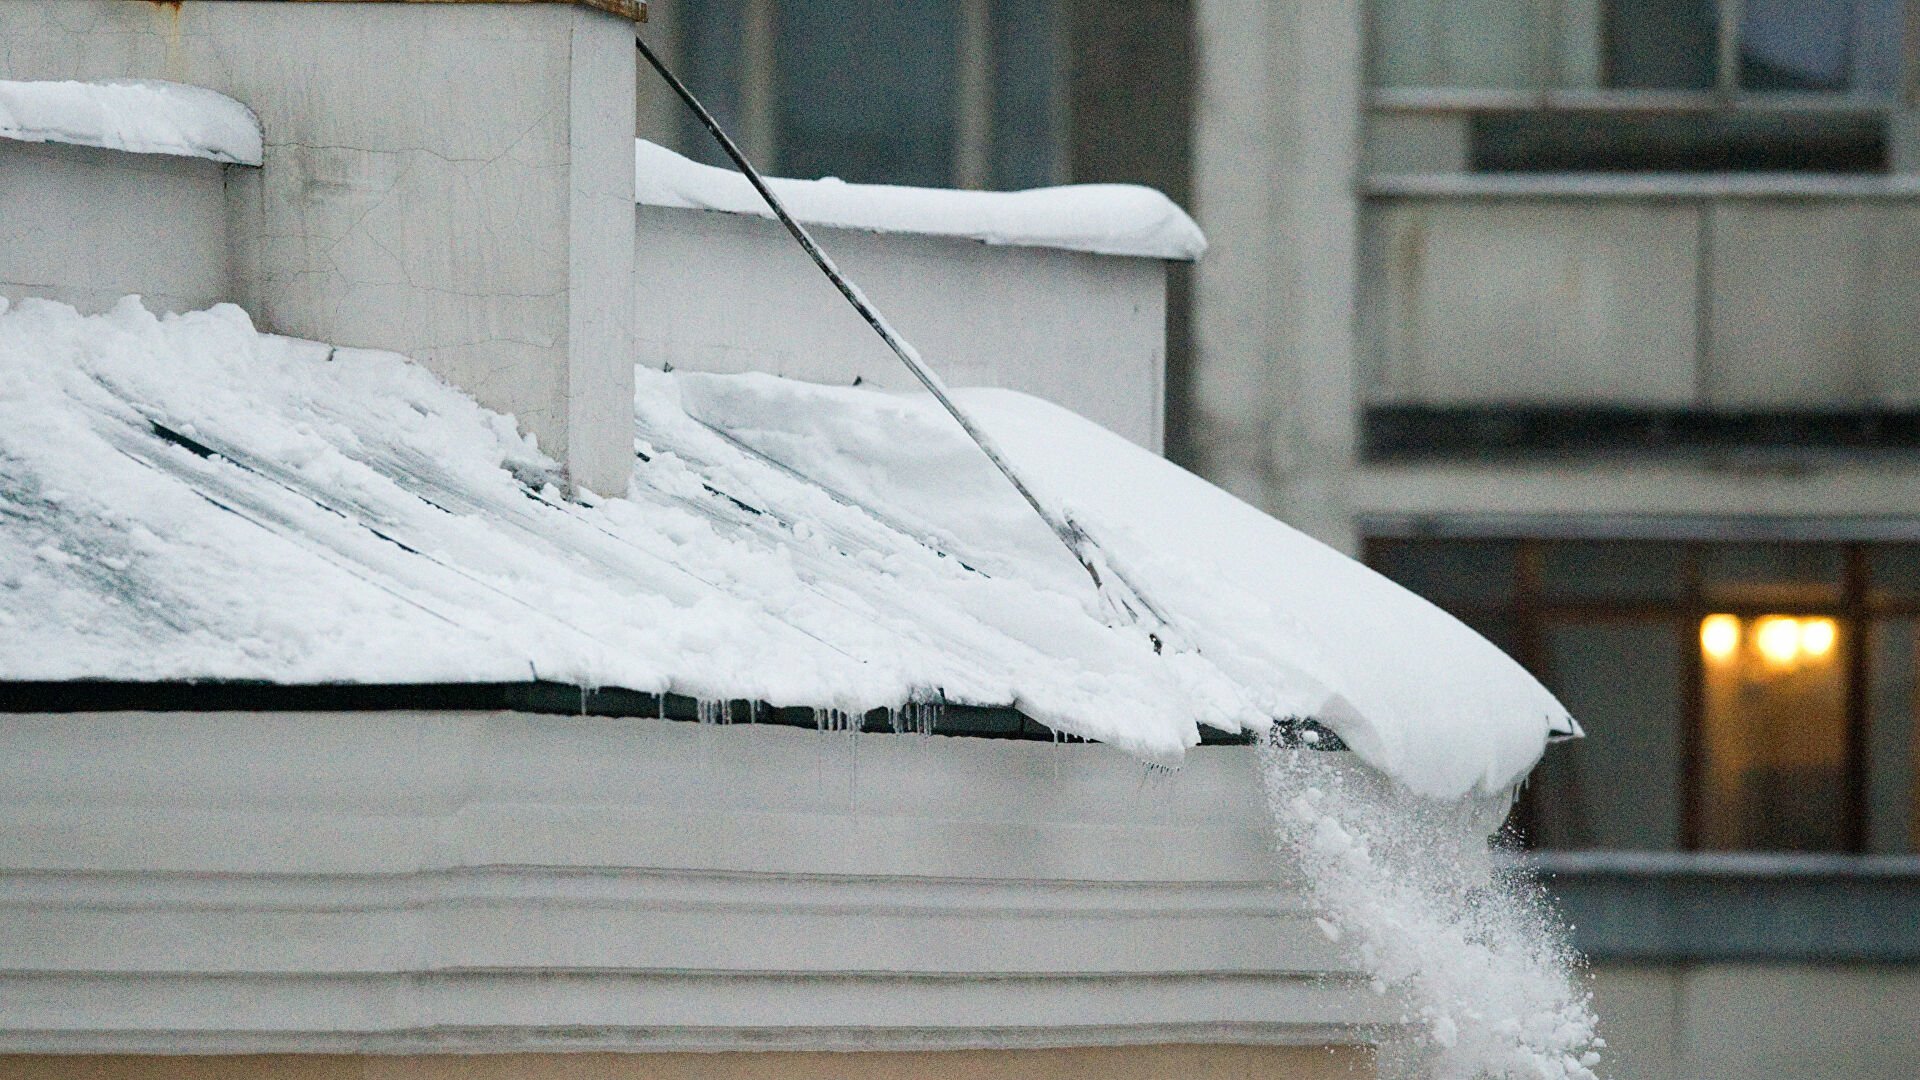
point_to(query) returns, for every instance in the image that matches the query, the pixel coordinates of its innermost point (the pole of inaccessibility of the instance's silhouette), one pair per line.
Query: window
(939, 93)
(1737, 696)
(1664, 85)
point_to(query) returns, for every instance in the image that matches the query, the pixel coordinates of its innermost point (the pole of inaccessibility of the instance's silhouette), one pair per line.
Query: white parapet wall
(453, 181)
(1060, 293)
(118, 188)
(404, 882)
(87, 226)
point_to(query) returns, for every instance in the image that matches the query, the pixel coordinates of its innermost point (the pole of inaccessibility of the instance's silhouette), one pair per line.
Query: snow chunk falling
(1473, 956)
(138, 116)
(1106, 219)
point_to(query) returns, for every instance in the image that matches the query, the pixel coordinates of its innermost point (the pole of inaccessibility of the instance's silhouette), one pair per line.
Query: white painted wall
(729, 292)
(451, 181)
(494, 881)
(87, 226)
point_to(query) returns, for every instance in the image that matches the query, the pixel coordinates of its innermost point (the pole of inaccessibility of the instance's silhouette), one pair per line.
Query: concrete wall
(1276, 147)
(451, 181)
(1103, 1063)
(485, 882)
(730, 292)
(1741, 302)
(87, 226)
(1471, 301)
(1760, 1021)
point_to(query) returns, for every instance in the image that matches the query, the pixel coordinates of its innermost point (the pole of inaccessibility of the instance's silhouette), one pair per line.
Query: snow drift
(1105, 219)
(184, 498)
(138, 116)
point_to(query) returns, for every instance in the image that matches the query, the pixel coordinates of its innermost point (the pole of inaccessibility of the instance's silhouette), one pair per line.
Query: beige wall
(1276, 148)
(1758, 1021)
(1096, 1063)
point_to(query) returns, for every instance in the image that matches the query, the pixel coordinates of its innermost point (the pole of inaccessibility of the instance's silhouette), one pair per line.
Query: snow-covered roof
(141, 117)
(184, 498)
(1106, 219)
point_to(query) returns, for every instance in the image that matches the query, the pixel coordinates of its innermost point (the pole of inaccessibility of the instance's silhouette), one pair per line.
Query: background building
(1591, 320)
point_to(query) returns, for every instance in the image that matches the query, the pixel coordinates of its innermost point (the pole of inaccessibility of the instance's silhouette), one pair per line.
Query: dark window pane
(1879, 40)
(1893, 573)
(1796, 44)
(712, 41)
(1662, 44)
(1451, 573)
(1786, 575)
(1620, 786)
(1611, 142)
(1893, 797)
(1617, 571)
(867, 90)
(1495, 626)
(1773, 733)
(1027, 93)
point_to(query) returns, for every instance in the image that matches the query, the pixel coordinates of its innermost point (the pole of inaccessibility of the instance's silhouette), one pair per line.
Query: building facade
(1590, 320)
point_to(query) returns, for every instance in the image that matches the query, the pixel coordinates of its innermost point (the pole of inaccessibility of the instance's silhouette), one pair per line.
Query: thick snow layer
(142, 117)
(1107, 219)
(185, 498)
(1283, 625)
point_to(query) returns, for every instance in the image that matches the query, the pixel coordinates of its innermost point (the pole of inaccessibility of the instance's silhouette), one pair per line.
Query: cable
(1119, 592)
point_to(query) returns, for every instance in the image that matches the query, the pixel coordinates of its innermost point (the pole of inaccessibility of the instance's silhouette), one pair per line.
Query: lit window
(1750, 696)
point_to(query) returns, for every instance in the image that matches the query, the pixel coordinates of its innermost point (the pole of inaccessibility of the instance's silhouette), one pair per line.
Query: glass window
(867, 89)
(1709, 65)
(1893, 796)
(883, 92)
(1619, 787)
(1795, 44)
(1661, 44)
(1027, 90)
(1736, 696)
(1612, 571)
(1773, 733)
(1786, 575)
(1452, 573)
(1893, 573)
(1819, 45)
(712, 45)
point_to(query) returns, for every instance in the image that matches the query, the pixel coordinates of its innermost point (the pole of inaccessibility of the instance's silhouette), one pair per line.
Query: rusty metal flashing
(636, 10)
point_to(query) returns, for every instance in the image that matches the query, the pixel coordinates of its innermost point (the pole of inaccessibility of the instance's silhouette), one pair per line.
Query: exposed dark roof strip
(545, 697)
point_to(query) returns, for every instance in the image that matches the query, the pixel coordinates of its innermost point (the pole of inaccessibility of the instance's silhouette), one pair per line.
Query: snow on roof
(183, 498)
(141, 117)
(1106, 219)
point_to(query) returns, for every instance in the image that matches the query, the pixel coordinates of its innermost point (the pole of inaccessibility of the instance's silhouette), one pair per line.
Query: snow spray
(1470, 951)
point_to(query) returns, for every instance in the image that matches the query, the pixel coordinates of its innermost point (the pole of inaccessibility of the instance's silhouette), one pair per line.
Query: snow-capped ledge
(140, 117)
(1104, 219)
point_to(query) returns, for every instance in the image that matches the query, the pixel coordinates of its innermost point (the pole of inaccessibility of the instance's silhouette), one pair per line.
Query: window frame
(1548, 61)
(1857, 610)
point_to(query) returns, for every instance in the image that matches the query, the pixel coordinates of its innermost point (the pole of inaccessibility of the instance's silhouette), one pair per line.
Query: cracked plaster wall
(439, 180)
(88, 226)
(728, 293)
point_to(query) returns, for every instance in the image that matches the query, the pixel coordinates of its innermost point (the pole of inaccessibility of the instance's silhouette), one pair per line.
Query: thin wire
(1082, 546)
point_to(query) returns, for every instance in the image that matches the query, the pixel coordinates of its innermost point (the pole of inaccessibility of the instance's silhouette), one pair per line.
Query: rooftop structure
(351, 631)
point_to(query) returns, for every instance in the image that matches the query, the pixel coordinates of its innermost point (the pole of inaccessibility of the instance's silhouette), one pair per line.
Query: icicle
(711, 712)
(835, 720)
